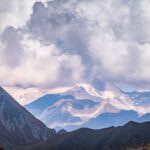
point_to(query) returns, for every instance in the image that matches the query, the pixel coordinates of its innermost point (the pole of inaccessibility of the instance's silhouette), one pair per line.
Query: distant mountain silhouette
(115, 119)
(131, 135)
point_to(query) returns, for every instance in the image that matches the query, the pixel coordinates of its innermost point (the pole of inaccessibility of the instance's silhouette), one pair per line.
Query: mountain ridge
(110, 100)
(19, 125)
(131, 135)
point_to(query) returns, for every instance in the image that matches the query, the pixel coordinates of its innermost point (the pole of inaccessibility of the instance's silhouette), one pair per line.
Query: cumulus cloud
(119, 41)
(69, 41)
(39, 66)
(15, 12)
(13, 48)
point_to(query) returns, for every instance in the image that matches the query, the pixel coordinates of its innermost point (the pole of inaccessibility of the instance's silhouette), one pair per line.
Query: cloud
(65, 42)
(121, 42)
(40, 66)
(58, 22)
(13, 49)
(15, 13)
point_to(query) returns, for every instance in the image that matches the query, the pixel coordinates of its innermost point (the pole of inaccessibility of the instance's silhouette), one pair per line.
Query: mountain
(66, 113)
(85, 106)
(131, 135)
(139, 98)
(115, 119)
(64, 110)
(83, 92)
(17, 126)
(6, 139)
(39, 105)
(111, 119)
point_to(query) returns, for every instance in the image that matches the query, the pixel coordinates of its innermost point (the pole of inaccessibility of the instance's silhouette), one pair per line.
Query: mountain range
(132, 135)
(20, 130)
(17, 126)
(85, 106)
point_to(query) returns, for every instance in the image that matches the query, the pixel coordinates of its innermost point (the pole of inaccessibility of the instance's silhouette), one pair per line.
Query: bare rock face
(17, 126)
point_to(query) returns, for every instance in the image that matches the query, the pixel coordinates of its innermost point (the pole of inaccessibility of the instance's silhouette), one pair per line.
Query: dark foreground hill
(17, 126)
(131, 135)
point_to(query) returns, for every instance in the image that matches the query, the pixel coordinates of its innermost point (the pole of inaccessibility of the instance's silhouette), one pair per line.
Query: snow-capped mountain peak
(83, 102)
(83, 91)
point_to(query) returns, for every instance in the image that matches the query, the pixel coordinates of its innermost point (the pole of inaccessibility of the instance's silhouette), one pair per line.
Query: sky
(58, 43)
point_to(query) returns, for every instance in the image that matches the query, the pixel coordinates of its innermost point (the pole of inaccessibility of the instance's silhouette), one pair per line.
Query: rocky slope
(17, 126)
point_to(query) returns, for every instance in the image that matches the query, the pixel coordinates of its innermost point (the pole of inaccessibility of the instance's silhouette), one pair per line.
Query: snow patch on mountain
(87, 103)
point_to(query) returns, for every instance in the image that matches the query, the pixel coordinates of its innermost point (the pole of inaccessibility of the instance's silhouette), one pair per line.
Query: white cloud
(40, 66)
(78, 41)
(15, 12)
(119, 39)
